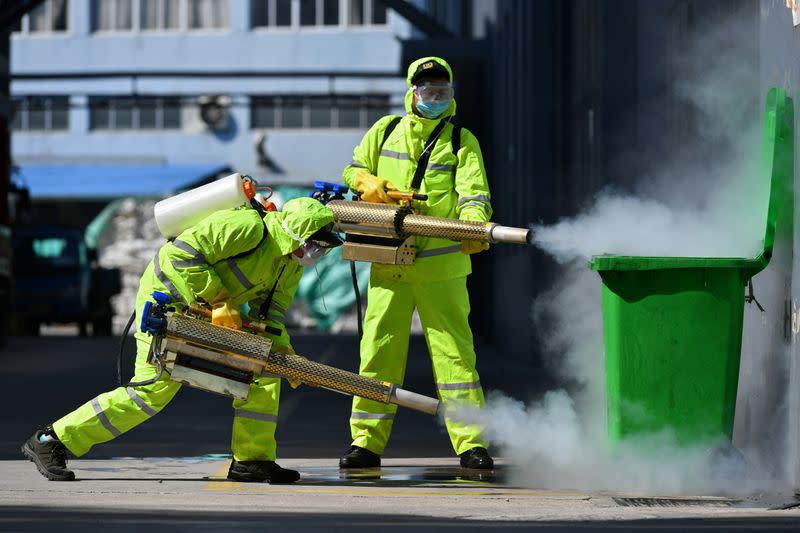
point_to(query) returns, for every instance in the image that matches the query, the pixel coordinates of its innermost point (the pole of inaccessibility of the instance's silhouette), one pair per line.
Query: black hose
(157, 359)
(159, 364)
(358, 298)
(122, 347)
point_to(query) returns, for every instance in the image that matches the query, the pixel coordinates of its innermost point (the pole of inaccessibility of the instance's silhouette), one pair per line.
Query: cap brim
(326, 239)
(436, 70)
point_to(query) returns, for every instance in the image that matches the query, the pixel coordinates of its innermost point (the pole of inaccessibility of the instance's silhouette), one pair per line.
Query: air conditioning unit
(214, 111)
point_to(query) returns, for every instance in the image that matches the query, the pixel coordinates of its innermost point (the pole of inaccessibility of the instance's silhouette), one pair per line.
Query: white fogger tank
(175, 214)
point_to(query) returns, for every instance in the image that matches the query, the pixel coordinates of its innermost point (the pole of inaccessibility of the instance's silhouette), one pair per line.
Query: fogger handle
(252, 325)
(406, 196)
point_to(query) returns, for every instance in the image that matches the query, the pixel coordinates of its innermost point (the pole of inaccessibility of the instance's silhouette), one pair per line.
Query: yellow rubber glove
(473, 247)
(373, 189)
(226, 315)
(288, 349)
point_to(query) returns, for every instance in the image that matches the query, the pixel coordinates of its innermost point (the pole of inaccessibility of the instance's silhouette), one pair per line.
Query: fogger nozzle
(383, 219)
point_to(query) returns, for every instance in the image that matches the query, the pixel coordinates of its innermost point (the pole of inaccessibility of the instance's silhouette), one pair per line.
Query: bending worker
(421, 151)
(230, 258)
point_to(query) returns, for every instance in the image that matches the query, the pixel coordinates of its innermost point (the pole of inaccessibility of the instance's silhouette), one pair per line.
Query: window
(50, 16)
(309, 13)
(40, 113)
(364, 12)
(147, 113)
(159, 14)
(330, 12)
(112, 15)
(322, 112)
(208, 14)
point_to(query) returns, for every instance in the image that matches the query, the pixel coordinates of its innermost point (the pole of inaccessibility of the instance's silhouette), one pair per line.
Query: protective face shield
(433, 98)
(312, 253)
(316, 247)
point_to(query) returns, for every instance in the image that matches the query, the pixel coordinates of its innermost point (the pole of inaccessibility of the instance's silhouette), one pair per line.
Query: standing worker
(421, 151)
(232, 257)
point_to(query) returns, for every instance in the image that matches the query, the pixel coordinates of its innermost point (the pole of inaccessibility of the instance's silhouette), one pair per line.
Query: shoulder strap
(388, 131)
(422, 164)
(456, 141)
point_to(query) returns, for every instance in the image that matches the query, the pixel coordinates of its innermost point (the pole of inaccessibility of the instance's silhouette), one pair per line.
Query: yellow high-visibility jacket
(456, 184)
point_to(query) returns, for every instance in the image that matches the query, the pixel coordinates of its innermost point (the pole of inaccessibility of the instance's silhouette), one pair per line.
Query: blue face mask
(432, 109)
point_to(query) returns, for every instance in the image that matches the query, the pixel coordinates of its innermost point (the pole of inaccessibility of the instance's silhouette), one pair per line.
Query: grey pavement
(164, 493)
(169, 473)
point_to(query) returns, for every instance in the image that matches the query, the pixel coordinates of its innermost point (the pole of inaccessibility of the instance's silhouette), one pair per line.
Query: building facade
(280, 89)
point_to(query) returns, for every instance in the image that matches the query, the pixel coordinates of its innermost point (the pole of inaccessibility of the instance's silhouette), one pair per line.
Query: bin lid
(777, 165)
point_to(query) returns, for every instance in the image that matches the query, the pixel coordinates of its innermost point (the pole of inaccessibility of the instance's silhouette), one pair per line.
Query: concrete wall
(768, 408)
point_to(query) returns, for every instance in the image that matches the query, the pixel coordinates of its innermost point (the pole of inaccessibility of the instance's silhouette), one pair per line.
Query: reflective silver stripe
(440, 166)
(239, 274)
(101, 416)
(357, 164)
(394, 155)
(244, 413)
(371, 416)
(166, 281)
(485, 207)
(439, 251)
(478, 197)
(459, 386)
(196, 260)
(186, 247)
(149, 411)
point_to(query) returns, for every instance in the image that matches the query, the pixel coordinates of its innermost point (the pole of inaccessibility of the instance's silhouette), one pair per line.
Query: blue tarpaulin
(112, 181)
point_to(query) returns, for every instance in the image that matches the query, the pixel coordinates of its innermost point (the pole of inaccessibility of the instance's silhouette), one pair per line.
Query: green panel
(673, 325)
(672, 342)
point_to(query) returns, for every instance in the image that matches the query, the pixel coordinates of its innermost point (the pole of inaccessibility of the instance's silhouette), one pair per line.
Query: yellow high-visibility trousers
(443, 308)
(113, 413)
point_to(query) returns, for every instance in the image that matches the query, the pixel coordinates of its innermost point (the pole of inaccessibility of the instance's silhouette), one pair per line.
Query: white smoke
(705, 198)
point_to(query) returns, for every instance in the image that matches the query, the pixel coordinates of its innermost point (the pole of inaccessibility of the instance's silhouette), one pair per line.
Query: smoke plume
(703, 198)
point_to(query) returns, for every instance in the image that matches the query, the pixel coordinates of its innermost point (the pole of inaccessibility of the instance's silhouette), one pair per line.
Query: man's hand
(373, 189)
(226, 315)
(473, 247)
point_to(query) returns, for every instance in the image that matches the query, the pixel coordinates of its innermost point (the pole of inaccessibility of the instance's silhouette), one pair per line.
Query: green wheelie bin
(673, 325)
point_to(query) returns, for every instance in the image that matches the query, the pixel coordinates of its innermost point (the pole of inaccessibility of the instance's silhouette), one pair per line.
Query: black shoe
(358, 457)
(259, 471)
(50, 458)
(476, 458)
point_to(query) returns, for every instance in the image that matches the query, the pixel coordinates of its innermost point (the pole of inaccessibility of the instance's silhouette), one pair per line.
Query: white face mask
(311, 252)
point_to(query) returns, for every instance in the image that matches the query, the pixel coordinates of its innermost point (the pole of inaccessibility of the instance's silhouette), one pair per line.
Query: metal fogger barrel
(382, 233)
(226, 361)
(399, 221)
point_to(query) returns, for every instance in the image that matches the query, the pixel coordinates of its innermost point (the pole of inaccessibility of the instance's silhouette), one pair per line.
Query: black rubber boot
(477, 458)
(50, 458)
(260, 471)
(358, 457)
